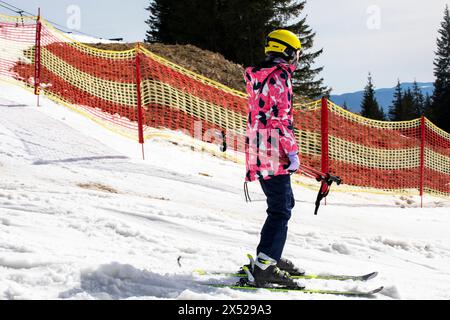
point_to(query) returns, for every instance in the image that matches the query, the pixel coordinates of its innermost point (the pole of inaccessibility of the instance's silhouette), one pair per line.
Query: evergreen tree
(370, 107)
(305, 80)
(407, 104)
(158, 21)
(419, 100)
(440, 110)
(243, 28)
(428, 106)
(408, 110)
(234, 28)
(184, 22)
(345, 106)
(238, 29)
(395, 108)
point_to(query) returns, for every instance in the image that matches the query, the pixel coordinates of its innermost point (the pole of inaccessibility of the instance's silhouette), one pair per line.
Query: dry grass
(97, 187)
(206, 63)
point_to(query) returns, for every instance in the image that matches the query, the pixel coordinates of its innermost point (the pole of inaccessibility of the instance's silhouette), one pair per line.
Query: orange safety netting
(17, 43)
(135, 90)
(391, 156)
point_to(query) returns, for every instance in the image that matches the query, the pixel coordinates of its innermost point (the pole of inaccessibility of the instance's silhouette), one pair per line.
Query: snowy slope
(82, 217)
(88, 39)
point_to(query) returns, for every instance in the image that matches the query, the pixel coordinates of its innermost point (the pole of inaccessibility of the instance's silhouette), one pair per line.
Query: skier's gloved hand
(294, 162)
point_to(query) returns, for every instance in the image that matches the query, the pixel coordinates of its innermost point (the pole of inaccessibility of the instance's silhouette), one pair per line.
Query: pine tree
(345, 106)
(184, 22)
(238, 29)
(370, 107)
(407, 104)
(234, 28)
(307, 82)
(243, 26)
(408, 110)
(395, 108)
(158, 21)
(428, 106)
(419, 100)
(440, 110)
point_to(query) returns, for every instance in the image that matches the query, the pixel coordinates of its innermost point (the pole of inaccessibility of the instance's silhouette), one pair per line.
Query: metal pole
(139, 100)
(37, 58)
(422, 158)
(324, 134)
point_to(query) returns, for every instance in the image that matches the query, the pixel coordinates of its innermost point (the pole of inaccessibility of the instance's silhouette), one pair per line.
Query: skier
(272, 152)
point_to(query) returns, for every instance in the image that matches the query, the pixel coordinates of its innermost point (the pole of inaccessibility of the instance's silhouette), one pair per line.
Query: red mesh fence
(135, 90)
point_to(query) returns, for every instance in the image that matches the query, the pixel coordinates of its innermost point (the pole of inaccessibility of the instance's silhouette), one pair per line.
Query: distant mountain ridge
(384, 96)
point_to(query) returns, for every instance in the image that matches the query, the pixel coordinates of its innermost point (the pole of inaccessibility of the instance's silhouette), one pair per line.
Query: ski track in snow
(81, 217)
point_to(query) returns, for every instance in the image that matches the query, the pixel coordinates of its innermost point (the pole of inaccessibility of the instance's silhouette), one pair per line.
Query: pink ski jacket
(270, 132)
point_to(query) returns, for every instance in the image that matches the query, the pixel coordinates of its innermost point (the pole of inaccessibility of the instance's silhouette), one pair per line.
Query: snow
(89, 39)
(83, 217)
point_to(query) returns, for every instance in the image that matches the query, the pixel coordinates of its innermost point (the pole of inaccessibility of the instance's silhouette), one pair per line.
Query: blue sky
(391, 39)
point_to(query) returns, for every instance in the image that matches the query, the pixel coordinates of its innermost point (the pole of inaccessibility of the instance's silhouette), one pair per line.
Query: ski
(365, 277)
(248, 287)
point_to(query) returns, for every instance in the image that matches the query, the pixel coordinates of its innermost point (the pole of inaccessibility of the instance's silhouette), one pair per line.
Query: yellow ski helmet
(282, 42)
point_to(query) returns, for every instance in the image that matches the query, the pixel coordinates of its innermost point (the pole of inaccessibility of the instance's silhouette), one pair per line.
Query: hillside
(209, 64)
(384, 96)
(81, 217)
(206, 63)
(214, 66)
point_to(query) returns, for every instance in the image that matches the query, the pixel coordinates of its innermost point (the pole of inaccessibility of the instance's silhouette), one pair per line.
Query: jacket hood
(262, 71)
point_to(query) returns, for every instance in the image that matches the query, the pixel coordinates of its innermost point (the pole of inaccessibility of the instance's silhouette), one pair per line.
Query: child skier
(272, 152)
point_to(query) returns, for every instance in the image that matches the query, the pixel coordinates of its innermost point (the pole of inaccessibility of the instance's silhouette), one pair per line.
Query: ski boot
(288, 266)
(283, 264)
(264, 272)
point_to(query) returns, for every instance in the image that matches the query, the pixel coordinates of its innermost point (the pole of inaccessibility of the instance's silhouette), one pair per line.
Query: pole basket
(326, 180)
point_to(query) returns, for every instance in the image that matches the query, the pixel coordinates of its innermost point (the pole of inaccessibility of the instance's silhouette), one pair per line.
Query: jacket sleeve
(281, 111)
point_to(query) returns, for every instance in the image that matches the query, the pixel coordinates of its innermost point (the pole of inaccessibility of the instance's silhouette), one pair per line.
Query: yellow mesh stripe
(21, 84)
(309, 143)
(372, 123)
(19, 20)
(12, 50)
(438, 131)
(197, 145)
(128, 133)
(121, 93)
(313, 185)
(99, 53)
(437, 162)
(436, 193)
(166, 95)
(361, 155)
(311, 106)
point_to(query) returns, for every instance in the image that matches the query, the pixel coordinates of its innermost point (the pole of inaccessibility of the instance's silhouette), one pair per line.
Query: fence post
(324, 134)
(422, 158)
(37, 58)
(139, 99)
